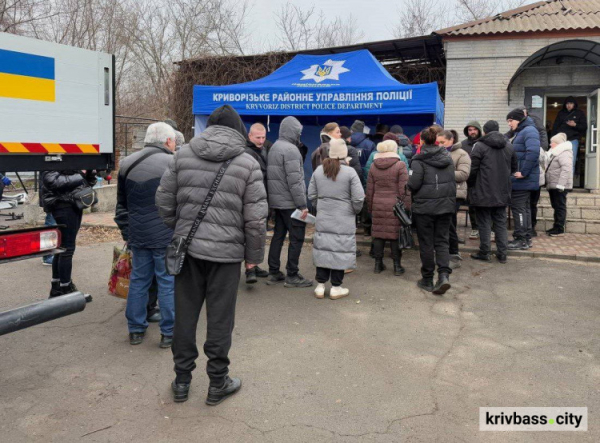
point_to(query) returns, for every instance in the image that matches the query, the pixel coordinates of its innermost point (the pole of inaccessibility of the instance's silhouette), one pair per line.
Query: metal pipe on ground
(47, 310)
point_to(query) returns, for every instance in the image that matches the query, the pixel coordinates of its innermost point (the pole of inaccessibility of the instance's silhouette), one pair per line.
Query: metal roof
(544, 16)
(427, 49)
(585, 50)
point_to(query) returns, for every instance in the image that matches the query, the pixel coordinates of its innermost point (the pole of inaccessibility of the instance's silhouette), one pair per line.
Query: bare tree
(21, 16)
(469, 10)
(421, 17)
(306, 29)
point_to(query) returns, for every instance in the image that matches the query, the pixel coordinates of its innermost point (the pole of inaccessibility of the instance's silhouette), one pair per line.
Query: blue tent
(322, 88)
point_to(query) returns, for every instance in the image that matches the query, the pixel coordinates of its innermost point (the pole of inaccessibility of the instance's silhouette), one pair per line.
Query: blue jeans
(146, 263)
(575, 144)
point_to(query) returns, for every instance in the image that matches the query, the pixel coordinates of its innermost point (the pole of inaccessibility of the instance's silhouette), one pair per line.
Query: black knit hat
(491, 125)
(357, 126)
(516, 114)
(397, 129)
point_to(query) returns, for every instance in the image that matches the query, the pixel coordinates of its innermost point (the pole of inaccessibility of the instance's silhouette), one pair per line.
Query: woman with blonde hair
(331, 131)
(336, 192)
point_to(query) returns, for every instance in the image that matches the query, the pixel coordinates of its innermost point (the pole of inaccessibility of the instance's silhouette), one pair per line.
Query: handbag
(401, 212)
(177, 249)
(405, 238)
(84, 198)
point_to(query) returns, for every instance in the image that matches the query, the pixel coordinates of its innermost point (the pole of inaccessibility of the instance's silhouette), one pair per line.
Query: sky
(372, 23)
(375, 17)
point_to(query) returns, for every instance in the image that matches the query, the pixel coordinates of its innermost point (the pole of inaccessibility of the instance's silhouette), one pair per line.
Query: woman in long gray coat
(336, 191)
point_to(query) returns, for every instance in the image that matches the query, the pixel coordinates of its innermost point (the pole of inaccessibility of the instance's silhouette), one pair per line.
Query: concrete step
(574, 212)
(575, 199)
(574, 226)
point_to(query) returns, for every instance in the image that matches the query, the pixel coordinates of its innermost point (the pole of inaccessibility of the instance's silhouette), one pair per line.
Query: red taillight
(26, 243)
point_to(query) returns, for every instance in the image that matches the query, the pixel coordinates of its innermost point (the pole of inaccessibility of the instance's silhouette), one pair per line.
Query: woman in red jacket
(386, 183)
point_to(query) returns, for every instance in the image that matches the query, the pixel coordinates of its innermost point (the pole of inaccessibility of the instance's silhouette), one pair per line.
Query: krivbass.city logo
(330, 70)
(533, 419)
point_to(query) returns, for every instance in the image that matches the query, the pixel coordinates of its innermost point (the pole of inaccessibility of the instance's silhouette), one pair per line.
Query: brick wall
(478, 73)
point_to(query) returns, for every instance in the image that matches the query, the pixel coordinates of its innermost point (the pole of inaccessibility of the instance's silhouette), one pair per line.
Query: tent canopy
(345, 84)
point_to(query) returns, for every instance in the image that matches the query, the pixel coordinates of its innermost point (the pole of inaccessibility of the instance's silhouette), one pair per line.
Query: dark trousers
(453, 237)
(324, 274)
(558, 200)
(521, 209)
(284, 223)
(533, 204)
(496, 218)
(473, 218)
(70, 217)
(379, 246)
(217, 284)
(433, 232)
(365, 218)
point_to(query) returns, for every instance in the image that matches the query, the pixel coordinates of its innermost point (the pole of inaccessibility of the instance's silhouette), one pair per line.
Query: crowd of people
(226, 183)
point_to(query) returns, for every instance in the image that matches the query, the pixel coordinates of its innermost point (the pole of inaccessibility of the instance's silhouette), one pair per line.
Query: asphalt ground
(390, 363)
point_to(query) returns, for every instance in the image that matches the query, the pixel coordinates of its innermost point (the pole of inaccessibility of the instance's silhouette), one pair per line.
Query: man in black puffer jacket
(493, 161)
(233, 230)
(433, 187)
(146, 235)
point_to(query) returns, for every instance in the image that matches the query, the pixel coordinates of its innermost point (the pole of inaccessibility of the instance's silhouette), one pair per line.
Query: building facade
(535, 56)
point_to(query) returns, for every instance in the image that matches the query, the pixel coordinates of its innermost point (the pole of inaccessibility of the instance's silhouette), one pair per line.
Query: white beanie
(559, 138)
(387, 146)
(338, 149)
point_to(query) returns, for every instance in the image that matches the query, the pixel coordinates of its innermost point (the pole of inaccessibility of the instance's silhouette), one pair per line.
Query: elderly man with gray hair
(145, 233)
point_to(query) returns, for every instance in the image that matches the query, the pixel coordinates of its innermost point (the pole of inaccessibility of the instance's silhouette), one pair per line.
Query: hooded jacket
(577, 115)
(363, 145)
(462, 168)
(285, 171)
(432, 182)
(234, 227)
(493, 161)
(386, 183)
(136, 213)
(559, 171)
(527, 147)
(467, 144)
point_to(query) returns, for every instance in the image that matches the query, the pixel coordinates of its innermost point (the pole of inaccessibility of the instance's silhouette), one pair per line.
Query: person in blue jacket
(526, 144)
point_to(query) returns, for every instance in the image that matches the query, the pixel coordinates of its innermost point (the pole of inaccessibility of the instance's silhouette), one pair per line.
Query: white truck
(57, 110)
(57, 106)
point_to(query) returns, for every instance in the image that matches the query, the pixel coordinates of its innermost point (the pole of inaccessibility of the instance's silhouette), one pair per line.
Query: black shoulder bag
(178, 247)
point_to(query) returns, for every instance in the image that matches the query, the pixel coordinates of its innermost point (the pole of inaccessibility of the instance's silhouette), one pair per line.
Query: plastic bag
(120, 274)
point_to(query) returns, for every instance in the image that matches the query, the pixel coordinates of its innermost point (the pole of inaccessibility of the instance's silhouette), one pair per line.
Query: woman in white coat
(559, 180)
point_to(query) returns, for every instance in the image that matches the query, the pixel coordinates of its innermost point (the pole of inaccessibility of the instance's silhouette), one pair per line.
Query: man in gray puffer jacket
(287, 192)
(232, 231)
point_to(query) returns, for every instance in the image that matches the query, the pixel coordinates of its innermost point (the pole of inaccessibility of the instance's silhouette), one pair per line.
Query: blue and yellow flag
(26, 76)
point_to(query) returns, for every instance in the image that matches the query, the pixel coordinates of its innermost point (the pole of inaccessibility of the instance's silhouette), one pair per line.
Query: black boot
(68, 289)
(379, 266)
(180, 390)
(442, 285)
(426, 284)
(55, 291)
(217, 395)
(398, 269)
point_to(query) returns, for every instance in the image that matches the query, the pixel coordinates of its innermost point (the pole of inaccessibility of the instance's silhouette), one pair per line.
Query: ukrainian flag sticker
(26, 76)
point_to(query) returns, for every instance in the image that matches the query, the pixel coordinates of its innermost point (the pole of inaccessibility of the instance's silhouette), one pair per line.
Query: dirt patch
(89, 235)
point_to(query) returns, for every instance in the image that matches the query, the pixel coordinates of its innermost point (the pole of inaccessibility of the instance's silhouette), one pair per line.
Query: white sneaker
(338, 292)
(474, 234)
(493, 237)
(320, 291)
